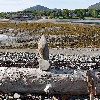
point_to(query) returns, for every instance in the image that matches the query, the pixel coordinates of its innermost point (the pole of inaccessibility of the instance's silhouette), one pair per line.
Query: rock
(47, 88)
(43, 48)
(10, 97)
(44, 64)
(5, 96)
(16, 96)
(29, 96)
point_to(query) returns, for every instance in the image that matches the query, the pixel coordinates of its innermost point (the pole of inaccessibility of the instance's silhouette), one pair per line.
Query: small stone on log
(44, 64)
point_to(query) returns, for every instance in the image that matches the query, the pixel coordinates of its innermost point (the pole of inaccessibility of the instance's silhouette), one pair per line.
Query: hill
(95, 6)
(37, 7)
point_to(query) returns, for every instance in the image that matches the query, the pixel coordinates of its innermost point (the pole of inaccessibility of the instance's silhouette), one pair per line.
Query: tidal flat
(24, 35)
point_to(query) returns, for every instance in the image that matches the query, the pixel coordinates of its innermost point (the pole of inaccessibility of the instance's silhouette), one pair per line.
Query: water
(3, 37)
(87, 21)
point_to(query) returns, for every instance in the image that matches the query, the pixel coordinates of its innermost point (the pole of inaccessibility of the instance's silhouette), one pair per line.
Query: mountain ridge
(40, 7)
(37, 7)
(95, 6)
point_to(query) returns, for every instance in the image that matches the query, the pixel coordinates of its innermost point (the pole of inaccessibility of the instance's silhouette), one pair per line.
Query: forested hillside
(95, 6)
(37, 7)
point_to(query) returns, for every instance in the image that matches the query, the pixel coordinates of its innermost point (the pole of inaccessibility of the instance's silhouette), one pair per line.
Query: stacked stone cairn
(44, 54)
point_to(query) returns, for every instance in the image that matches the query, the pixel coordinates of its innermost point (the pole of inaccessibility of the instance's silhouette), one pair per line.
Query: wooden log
(91, 87)
(38, 81)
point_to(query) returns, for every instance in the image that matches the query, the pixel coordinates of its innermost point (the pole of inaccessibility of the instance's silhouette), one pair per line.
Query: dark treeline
(65, 13)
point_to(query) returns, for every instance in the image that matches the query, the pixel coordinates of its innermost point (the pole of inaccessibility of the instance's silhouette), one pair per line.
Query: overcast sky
(17, 5)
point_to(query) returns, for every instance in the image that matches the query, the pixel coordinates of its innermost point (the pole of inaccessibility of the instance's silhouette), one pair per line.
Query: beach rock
(11, 97)
(43, 48)
(16, 96)
(44, 64)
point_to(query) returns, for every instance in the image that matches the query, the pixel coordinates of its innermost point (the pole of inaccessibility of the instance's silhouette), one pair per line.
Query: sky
(19, 5)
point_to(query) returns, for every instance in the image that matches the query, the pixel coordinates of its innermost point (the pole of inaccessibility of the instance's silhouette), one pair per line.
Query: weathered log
(38, 81)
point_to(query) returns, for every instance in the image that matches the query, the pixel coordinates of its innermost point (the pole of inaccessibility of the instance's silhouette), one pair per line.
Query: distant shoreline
(56, 21)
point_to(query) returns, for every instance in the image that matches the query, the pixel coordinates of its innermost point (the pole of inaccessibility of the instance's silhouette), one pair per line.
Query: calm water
(87, 21)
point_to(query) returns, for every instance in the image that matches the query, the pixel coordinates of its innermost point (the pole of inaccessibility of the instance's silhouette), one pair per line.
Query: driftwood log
(38, 81)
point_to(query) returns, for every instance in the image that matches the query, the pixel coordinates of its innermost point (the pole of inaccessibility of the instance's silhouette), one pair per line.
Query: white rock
(47, 88)
(44, 64)
(16, 95)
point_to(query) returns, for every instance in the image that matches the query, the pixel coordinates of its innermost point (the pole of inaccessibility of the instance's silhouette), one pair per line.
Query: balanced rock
(44, 64)
(43, 48)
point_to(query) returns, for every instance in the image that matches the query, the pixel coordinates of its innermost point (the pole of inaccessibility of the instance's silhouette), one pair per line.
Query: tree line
(65, 13)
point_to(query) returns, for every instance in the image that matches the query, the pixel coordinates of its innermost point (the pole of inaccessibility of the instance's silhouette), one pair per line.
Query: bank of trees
(65, 13)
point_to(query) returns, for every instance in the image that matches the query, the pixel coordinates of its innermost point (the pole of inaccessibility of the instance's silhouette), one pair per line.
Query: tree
(83, 12)
(65, 13)
(2, 15)
(95, 13)
(80, 14)
(53, 14)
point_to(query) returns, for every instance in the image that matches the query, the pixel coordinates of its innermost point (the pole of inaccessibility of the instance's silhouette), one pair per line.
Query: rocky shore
(85, 59)
(63, 61)
(73, 71)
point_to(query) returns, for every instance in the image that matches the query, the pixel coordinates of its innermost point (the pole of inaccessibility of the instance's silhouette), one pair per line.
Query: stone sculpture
(43, 48)
(44, 54)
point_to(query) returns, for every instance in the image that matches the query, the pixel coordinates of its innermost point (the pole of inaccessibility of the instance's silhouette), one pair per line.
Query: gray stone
(43, 48)
(44, 64)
